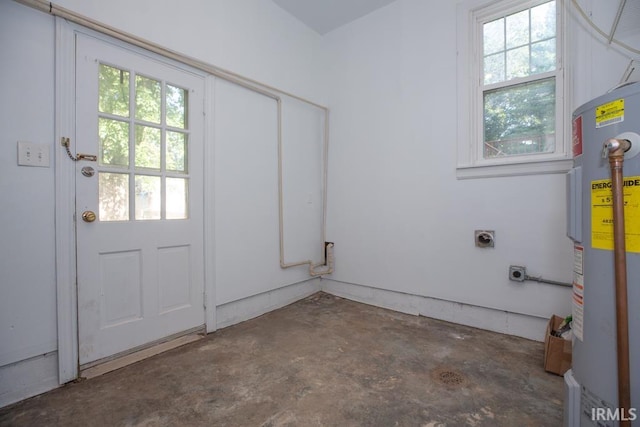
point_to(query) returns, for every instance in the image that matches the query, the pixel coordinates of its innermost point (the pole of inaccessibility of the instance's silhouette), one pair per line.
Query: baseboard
(521, 325)
(28, 378)
(247, 308)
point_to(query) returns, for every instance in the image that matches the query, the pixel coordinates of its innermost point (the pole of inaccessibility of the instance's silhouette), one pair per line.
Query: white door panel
(140, 263)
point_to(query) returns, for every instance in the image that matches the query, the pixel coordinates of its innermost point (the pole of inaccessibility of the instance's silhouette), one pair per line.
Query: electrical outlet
(485, 238)
(32, 154)
(517, 273)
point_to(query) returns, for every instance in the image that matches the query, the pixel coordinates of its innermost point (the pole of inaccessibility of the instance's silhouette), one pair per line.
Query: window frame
(471, 15)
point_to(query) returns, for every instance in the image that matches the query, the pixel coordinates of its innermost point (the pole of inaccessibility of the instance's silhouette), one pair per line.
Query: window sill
(561, 165)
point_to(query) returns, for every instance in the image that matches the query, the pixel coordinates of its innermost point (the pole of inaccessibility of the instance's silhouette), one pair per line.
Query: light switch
(32, 154)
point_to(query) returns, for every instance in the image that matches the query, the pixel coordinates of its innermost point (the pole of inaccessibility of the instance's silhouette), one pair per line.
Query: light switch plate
(32, 154)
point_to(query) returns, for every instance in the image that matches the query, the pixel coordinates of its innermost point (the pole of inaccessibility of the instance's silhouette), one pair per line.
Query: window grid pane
(543, 22)
(527, 41)
(517, 62)
(543, 56)
(142, 154)
(520, 119)
(494, 68)
(493, 37)
(518, 29)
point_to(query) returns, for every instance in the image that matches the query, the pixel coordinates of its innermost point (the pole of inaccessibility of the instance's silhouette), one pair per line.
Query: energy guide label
(602, 214)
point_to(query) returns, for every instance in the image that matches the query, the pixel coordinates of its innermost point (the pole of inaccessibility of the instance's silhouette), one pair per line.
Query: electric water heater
(598, 384)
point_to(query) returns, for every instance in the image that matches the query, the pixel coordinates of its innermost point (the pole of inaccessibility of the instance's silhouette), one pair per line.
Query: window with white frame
(512, 93)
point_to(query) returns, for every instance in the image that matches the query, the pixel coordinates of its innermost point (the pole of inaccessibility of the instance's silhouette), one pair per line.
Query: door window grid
(143, 156)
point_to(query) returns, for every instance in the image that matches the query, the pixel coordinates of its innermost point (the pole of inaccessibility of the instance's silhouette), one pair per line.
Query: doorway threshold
(120, 360)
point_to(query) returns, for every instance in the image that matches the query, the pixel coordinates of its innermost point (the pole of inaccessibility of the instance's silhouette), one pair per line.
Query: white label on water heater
(577, 307)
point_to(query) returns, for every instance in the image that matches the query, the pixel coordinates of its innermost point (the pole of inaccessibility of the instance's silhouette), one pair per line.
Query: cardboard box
(557, 351)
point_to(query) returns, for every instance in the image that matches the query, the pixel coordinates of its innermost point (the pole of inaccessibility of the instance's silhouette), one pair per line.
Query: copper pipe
(616, 160)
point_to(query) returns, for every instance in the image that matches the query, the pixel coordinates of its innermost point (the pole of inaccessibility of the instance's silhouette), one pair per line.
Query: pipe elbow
(328, 266)
(616, 147)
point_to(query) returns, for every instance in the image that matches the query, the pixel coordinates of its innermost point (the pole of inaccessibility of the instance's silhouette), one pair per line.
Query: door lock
(88, 171)
(88, 216)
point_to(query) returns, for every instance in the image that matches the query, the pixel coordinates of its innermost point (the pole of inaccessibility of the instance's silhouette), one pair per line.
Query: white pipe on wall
(327, 261)
(232, 77)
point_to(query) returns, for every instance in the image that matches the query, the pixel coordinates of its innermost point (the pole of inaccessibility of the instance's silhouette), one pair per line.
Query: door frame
(65, 240)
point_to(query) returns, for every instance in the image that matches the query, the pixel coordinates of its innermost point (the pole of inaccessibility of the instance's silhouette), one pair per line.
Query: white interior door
(140, 262)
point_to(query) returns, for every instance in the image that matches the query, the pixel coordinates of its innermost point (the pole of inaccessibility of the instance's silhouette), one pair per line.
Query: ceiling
(327, 15)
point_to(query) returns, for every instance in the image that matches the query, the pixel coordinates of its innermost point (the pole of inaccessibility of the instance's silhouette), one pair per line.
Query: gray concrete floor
(323, 361)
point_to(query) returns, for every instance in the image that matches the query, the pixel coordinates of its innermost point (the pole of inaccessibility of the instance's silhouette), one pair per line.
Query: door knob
(88, 216)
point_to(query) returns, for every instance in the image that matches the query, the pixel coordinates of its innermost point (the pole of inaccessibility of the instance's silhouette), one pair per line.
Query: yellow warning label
(602, 214)
(610, 113)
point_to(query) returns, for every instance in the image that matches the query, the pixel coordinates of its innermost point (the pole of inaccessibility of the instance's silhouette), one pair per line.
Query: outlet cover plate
(32, 154)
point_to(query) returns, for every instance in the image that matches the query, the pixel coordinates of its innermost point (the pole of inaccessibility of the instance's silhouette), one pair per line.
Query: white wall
(27, 257)
(400, 218)
(251, 37)
(27, 269)
(254, 38)
(246, 193)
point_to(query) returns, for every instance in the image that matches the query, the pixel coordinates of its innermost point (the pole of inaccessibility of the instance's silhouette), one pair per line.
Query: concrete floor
(323, 361)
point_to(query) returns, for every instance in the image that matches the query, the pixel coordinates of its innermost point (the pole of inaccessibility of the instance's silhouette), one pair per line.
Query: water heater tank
(591, 386)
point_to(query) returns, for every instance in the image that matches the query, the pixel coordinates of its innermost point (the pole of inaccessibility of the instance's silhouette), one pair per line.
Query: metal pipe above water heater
(615, 149)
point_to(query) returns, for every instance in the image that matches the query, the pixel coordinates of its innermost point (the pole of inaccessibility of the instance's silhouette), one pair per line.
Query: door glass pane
(176, 107)
(113, 92)
(114, 142)
(148, 197)
(148, 97)
(176, 151)
(520, 119)
(176, 198)
(113, 196)
(152, 142)
(147, 147)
